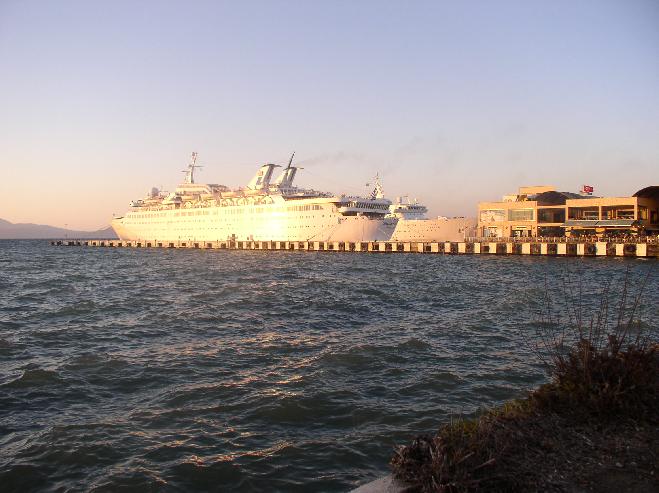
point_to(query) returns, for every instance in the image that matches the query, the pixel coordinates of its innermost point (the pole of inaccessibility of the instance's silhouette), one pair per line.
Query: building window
(551, 215)
(625, 214)
(520, 214)
(581, 213)
(492, 215)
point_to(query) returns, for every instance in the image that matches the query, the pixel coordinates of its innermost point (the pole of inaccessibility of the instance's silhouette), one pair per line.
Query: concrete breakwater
(570, 249)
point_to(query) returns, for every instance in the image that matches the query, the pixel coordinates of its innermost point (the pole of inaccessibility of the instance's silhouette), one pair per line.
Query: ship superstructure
(403, 208)
(265, 209)
(413, 225)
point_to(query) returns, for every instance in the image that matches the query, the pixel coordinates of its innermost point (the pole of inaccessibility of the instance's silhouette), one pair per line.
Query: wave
(36, 377)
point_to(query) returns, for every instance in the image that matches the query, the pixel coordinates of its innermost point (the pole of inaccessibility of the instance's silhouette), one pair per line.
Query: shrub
(610, 369)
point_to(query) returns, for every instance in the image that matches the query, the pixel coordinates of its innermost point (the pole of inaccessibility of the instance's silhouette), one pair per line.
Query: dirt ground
(544, 453)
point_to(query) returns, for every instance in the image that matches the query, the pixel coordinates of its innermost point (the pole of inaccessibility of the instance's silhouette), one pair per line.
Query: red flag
(588, 189)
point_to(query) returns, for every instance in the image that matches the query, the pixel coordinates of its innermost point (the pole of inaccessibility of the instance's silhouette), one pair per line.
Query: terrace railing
(654, 240)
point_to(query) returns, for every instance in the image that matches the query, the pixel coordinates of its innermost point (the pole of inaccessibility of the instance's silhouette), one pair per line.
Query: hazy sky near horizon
(451, 102)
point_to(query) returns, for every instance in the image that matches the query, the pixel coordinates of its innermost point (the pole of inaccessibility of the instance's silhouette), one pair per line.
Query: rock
(386, 484)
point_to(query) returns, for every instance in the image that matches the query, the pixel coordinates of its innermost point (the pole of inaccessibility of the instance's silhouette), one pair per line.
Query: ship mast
(377, 192)
(189, 173)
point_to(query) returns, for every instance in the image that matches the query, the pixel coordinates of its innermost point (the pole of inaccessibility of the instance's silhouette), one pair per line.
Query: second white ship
(264, 210)
(413, 225)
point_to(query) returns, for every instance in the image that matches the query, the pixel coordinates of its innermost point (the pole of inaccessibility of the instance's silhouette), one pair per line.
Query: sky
(452, 103)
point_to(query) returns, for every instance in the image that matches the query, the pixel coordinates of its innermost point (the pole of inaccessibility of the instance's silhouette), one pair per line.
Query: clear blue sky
(451, 102)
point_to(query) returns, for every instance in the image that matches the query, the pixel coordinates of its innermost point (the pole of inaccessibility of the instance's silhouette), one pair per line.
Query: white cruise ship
(264, 210)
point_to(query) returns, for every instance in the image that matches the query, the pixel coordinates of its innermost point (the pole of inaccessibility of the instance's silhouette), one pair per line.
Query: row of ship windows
(168, 230)
(169, 221)
(222, 219)
(228, 210)
(363, 205)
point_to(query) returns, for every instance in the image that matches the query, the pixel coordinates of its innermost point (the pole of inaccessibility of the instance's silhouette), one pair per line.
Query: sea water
(210, 370)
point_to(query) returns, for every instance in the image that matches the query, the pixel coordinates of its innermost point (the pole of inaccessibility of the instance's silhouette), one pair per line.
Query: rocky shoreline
(593, 427)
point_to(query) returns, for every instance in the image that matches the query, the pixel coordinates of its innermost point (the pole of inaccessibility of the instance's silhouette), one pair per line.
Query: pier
(521, 246)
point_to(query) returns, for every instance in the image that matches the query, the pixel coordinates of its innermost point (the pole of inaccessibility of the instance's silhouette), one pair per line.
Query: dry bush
(604, 364)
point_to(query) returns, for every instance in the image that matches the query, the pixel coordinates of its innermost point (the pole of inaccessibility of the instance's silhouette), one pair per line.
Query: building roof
(554, 198)
(651, 192)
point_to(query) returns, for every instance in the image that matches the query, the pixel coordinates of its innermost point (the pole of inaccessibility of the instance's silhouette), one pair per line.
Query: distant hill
(25, 231)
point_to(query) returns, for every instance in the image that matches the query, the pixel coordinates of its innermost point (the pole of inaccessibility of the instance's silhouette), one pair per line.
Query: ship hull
(427, 230)
(267, 223)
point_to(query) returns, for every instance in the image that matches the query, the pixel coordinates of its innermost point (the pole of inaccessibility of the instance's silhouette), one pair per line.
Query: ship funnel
(262, 178)
(285, 180)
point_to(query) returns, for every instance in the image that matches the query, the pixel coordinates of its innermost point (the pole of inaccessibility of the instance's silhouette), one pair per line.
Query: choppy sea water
(198, 370)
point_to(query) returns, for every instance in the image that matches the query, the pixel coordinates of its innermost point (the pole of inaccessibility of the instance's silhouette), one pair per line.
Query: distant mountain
(24, 231)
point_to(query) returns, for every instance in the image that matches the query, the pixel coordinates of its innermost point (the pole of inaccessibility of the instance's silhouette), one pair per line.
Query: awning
(602, 223)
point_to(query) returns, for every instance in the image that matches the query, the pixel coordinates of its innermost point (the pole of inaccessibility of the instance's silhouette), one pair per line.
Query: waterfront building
(544, 211)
